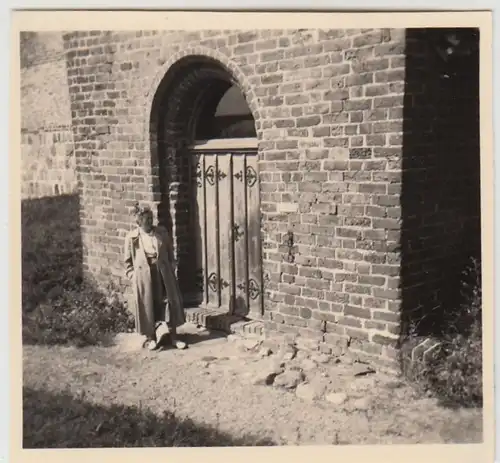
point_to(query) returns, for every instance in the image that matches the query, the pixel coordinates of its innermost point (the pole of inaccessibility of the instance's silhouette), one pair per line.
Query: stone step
(227, 323)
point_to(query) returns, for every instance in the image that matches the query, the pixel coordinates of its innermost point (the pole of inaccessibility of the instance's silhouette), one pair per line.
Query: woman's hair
(142, 211)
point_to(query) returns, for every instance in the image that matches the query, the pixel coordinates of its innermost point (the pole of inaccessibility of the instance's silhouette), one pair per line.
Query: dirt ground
(222, 383)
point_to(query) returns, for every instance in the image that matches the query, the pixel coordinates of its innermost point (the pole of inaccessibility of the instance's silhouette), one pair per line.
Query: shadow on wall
(440, 198)
(58, 305)
(70, 422)
(51, 248)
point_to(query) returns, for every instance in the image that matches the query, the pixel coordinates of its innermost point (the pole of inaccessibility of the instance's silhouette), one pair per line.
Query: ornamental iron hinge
(253, 288)
(211, 175)
(199, 175)
(214, 282)
(251, 176)
(237, 233)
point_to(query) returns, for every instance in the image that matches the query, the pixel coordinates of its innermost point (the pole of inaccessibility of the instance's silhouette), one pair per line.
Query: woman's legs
(158, 306)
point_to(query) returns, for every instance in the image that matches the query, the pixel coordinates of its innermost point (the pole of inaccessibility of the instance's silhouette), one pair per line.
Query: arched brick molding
(223, 60)
(186, 84)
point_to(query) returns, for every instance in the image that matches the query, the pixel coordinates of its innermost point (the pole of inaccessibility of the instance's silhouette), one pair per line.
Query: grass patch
(62, 421)
(454, 371)
(58, 307)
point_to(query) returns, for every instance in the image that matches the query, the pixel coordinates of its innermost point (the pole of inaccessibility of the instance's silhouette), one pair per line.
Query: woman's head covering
(141, 211)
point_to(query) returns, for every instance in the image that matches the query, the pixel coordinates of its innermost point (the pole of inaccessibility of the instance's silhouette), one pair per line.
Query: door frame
(226, 146)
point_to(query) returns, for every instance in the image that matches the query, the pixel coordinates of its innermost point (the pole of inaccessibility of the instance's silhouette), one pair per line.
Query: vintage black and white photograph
(251, 237)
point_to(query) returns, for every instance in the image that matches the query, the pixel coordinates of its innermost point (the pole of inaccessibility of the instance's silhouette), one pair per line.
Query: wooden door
(227, 226)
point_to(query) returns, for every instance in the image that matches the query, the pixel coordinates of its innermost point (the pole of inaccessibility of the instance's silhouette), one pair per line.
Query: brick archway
(230, 67)
(189, 81)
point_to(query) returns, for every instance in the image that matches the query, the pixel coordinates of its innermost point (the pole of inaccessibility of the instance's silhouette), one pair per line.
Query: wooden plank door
(225, 213)
(240, 236)
(228, 221)
(199, 230)
(254, 286)
(211, 269)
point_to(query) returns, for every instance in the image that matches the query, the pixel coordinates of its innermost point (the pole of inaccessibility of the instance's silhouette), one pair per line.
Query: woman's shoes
(150, 344)
(179, 345)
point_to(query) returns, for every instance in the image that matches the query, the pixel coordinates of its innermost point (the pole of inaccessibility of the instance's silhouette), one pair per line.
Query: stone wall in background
(47, 153)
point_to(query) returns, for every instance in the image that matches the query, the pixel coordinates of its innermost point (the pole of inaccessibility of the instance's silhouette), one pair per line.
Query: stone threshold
(222, 321)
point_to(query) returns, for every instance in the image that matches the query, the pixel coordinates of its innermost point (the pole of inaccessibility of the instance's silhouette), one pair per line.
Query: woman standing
(150, 265)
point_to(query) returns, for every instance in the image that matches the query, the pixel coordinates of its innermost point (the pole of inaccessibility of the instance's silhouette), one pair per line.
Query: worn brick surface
(47, 155)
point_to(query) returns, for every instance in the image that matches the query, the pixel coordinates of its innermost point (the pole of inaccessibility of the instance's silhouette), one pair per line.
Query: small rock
(290, 379)
(266, 372)
(265, 352)
(321, 358)
(309, 392)
(288, 352)
(301, 355)
(363, 384)
(308, 364)
(336, 398)
(251, 344)
(278, 364)
(208, 358)
(337, 351)
(271, 344)
(347, 359)
(263, 378)
(325, 349)
(363, 403)
(361, 369)
(319, 381)
(306, 344)
(270, 364)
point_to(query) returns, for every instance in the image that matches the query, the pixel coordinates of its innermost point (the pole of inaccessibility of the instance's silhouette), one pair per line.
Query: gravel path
(211, 383)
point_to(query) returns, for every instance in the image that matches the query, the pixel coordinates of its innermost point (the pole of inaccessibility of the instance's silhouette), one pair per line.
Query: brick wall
(368, 159)
(48, 162)
(329, 106)
(440, 199)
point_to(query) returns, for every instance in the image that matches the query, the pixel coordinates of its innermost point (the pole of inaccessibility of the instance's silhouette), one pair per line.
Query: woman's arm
(129, 258)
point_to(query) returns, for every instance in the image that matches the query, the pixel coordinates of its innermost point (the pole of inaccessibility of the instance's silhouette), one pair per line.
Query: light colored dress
(150, 266)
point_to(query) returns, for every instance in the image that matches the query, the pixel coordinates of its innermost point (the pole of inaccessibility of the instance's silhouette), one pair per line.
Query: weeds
(58, 306)
(454, 372)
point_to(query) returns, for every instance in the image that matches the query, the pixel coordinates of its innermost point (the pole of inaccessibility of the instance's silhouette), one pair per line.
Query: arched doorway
(207, 155)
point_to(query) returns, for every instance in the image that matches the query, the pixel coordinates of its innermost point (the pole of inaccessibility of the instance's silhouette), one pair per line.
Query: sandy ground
(212, 383)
